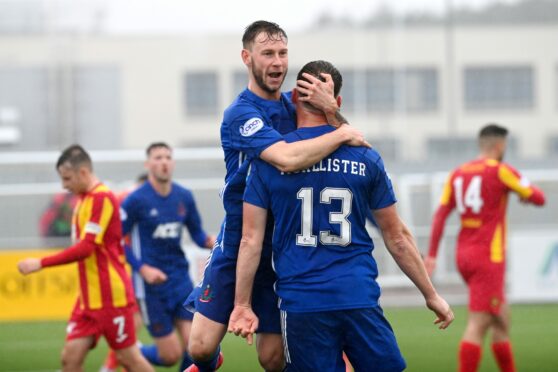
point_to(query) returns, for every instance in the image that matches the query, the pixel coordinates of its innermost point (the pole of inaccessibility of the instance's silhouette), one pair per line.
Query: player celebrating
(252, 127)
(326, 274)
(155, 214)
(479, 190)
(104, 306)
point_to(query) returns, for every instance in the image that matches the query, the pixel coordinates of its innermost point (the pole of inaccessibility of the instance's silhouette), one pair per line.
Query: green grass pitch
(35, 346)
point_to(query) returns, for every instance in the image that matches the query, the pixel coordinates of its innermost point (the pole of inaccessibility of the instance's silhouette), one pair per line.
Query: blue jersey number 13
(326, 237)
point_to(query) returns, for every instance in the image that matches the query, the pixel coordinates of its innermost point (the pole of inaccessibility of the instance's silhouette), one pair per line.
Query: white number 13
(326, 237)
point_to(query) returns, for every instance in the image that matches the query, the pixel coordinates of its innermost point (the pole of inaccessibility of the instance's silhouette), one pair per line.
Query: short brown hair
(75, 156)
(272, 30)
(155, 145)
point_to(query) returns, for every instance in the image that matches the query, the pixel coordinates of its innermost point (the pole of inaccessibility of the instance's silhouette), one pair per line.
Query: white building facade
(417, 92)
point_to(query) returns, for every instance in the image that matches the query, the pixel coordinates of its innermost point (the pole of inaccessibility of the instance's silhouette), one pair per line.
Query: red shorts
(115, 324)
(486, 285)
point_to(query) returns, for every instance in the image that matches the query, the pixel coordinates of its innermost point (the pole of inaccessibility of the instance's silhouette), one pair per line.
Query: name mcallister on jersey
(335, 165)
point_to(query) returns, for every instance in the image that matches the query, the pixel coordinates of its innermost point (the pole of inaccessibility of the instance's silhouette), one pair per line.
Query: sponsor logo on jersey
(93, 228)
(251, 126)
(167, 230)
(153, 212)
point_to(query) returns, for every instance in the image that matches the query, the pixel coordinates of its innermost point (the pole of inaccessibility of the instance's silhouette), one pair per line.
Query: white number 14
(472, 197)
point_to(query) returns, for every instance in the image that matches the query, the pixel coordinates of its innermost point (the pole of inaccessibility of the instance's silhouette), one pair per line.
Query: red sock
(469, 356)
(111, 362)
(504, 356)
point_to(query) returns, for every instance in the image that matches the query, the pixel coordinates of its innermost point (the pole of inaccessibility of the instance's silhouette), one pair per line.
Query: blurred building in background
(420, 86)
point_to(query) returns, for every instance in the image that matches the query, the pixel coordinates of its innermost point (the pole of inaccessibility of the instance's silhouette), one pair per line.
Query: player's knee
(69, 361)
(129, 360)
(272, 363)
(200, 350)
(170, 356)
(271, 360)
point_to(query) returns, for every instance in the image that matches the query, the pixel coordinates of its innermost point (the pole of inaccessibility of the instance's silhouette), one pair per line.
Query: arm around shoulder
(295, 156)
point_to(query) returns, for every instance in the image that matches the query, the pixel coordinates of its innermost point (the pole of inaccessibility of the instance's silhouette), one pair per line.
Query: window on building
(96, 93)
(389, 148)
(202, 96)
(456, 148)
(352, 90)
(552, 145)
(460, 149)
(239, 83)
(499, 87)
(413, 89)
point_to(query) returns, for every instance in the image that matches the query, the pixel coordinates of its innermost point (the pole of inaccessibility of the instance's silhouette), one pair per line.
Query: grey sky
(177, 16)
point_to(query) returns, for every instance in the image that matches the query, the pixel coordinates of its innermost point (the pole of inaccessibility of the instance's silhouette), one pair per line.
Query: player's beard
(162, 177)
(259, 78)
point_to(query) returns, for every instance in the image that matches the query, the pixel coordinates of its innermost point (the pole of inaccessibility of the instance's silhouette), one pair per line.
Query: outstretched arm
(402, 247)
(243, 321)
(290, 157)
(72, 254)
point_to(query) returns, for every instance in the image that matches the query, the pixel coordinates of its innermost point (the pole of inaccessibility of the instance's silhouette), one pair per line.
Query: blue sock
(151, 353)
(209, 365)
(186, 361)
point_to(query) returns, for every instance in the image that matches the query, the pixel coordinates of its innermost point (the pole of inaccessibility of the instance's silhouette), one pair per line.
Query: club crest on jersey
(207, 294)
(251, 126)
(181, 210)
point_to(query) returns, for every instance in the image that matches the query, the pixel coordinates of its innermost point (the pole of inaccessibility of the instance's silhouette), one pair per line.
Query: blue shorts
(214, 296)
(160, 309)
(316, 341)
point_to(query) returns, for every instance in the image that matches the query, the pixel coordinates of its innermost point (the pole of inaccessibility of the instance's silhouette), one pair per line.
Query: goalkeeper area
(36, 346)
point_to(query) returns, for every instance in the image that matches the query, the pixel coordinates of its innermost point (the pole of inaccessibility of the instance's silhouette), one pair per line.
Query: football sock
(469, 356)
(111, 362)
(186, 361)
(504, 356)
(209, 365)
(151, 353)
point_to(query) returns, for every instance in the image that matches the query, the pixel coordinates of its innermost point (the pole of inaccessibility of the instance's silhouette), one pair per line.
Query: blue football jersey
(155, 224)
(322, 252)
(250, 125)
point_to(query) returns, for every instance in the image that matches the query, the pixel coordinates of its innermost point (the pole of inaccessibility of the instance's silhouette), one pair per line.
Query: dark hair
(156, 145)
(76, 156)
(315, 68)
(272, 30)
(493, 130)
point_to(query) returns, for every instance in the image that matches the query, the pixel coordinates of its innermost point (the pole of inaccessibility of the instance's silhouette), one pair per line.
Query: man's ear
(83, 171)
(294, 96)
(339, 100)
(245, 55)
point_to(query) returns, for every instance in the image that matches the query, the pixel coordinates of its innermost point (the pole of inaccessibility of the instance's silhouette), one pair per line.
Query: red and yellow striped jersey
(479, 191)
(104, 282)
